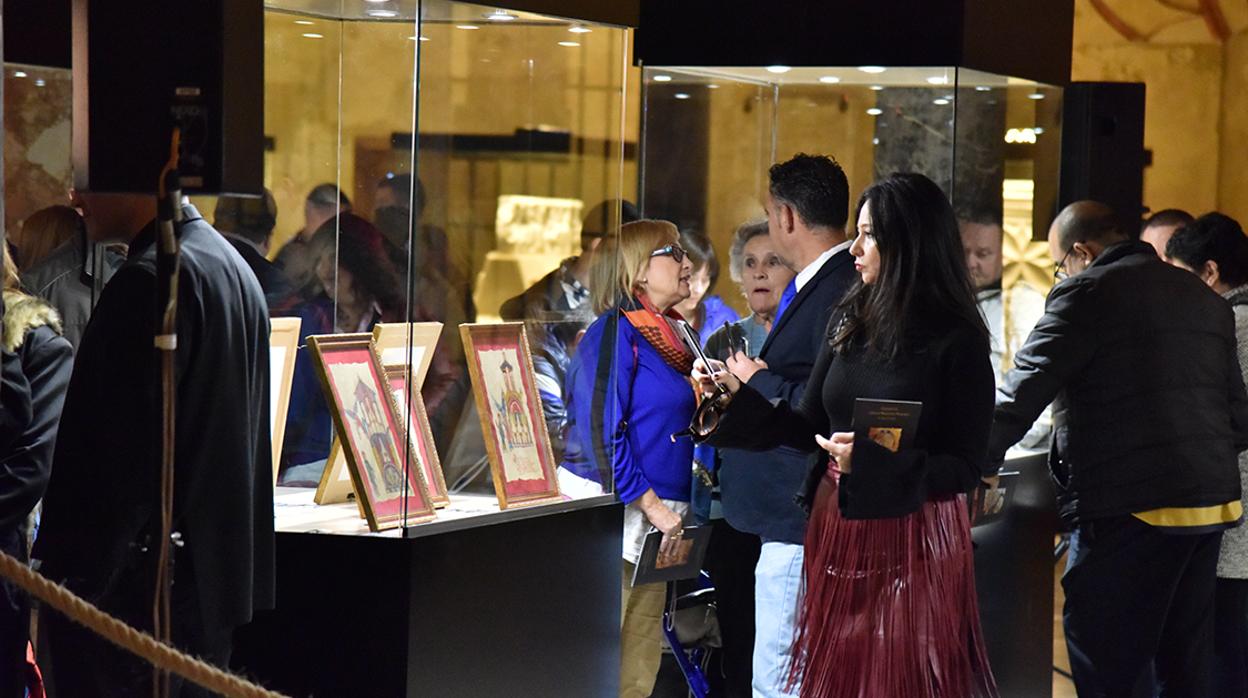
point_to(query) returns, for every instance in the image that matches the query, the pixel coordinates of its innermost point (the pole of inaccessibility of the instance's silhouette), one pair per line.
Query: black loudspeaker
(140, 67)
(1103, 148)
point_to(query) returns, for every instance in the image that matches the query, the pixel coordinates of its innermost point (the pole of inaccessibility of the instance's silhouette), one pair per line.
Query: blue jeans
(777, 592)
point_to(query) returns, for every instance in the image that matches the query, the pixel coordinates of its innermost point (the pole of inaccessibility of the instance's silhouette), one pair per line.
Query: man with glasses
(1149, 412)
(807, 206)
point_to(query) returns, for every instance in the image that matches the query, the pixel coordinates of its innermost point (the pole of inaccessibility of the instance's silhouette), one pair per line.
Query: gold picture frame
(335, 486)
(283, 350)
(391, 342)
(516, 441)
(419, 433)
(366, 421)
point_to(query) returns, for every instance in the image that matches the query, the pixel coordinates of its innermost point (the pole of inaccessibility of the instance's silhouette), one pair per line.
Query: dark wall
(36, 32)
(675, 155)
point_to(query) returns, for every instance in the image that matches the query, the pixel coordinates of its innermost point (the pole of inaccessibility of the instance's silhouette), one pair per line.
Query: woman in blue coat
(628, 392)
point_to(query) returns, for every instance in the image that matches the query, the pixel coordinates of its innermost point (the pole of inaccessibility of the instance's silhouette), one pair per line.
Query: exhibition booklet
(890, 423)
(686, 563)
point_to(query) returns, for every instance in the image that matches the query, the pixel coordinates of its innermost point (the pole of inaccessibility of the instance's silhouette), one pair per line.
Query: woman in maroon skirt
(889, 609)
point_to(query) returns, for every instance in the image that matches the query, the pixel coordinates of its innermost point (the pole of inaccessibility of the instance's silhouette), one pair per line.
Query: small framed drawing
(419, 435)
(283, 347)
(391, 490)
(510, 409)
(390, 338)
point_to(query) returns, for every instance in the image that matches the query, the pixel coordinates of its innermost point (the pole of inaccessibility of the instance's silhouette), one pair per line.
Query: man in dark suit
(807, 207)
(247, 223)
(101, 518)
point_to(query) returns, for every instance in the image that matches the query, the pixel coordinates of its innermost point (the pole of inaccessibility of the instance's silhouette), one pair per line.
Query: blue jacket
(643, 391)
(758, 488)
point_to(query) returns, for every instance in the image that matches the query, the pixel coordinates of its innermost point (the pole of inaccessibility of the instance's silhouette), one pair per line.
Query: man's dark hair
(701, 252)
(1087, 221)
(1169, 216)
(327, 195)
(1213, 237)
(600, 221)
(922, 282)
(250, 217)
(815, 186)
(981, 215)
(400, 185)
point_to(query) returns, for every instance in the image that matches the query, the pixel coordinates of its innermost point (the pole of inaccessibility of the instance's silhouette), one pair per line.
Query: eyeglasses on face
(1059, 269)
(676, 251)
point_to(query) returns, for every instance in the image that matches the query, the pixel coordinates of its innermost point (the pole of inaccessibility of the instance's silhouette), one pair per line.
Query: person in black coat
(248, 222)
(889, 607)
(101, 513)
(807, 207)
(1149, 413)
(32, 331)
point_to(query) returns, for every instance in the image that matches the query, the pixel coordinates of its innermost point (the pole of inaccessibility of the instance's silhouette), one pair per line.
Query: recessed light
(500, 16)
(778, 69)
(579, 29)
(873, 69)
(681, 95)
(1036, 95)
(376, 1)
(569, 44)
(982, 88)
(662, 78)
(877, 88)
(940, 102)
(19, 74)
(875, 141)
(304, 22)
(875, 111)
(386, 14)
(311, 35)
(40, 82)
(938, 80)
(467, 27)
(829, 79)
(712, 86)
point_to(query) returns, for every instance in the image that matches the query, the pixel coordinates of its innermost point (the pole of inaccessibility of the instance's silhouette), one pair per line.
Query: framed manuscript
(391, 340)
(283, 347)
(510, 409)
(389, 482)
(419, 435)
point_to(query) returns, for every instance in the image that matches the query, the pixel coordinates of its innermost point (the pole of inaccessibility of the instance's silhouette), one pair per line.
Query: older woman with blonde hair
(627, 393)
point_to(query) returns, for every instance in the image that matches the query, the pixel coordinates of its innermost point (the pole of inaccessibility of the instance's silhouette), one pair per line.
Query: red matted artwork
(392, 490)
(419, 433)
(521, 460)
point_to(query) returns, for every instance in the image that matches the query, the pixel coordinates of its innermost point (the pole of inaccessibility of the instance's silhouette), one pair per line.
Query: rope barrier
(135, 641)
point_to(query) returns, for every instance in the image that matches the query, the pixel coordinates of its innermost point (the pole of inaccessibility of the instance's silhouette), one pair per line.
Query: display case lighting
(875, 111)
(876, 88)
(940, 101)
(873, 69)
(681, 95)
(1036, 95)
(304, 22)
(778, 69)
(312, 35)
(500, 16)
(662, 78)
(19, 74)
(569, 44)
(938, 80)
(467, 27)
(829, 79)
(712, 86)
(982, 88)
(383, 14)
(579, 29)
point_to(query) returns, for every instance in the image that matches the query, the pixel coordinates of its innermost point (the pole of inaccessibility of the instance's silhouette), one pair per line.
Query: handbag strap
(602, 384)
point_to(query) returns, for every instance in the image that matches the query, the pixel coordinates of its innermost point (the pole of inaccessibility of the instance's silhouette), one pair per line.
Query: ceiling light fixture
(500, 16)
(1036, 95)
(778, 69)
(875, 111)
(712, 86)
(467, 27)
(569, 44)
(662, 78)
(40, 82)
(982, 88)
(873, 69)
(19, 74)
(304, 22)
(579, 29)
(681, 95)
(311, 35)
(384, 14)
(938, 80)
(829, 79)
(940, 102)
(877, 88)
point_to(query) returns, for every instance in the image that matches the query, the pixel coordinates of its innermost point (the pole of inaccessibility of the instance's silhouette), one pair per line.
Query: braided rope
(126, 637)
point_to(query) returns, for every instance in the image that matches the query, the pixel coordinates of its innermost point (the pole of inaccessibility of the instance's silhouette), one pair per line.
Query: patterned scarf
(658, 331)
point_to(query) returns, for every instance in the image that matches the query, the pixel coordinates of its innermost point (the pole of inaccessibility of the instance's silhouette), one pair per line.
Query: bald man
(1149, 414)
(1161, 226)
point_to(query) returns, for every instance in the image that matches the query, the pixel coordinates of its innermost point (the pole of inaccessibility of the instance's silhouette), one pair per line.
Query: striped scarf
(658, 331)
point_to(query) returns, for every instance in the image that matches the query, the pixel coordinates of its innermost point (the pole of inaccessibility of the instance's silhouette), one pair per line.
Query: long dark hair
(923, 282)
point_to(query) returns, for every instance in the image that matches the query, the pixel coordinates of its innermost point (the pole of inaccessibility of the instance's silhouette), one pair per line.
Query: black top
(1149, 408)
(948, 370)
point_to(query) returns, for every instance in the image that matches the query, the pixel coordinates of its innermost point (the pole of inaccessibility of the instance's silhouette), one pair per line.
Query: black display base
(526, 606)
(1014, 578)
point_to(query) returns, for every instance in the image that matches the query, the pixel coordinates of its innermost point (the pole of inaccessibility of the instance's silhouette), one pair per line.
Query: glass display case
(709, 135)
(428, 163)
